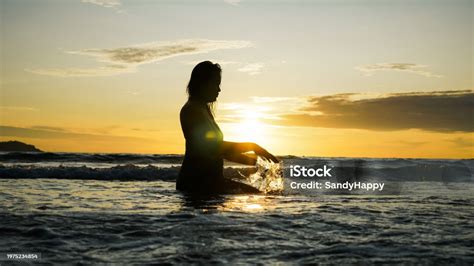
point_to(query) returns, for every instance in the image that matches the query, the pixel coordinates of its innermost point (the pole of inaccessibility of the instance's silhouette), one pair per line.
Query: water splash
(268, 178)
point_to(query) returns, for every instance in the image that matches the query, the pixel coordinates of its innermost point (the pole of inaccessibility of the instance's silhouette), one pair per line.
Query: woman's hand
(264, 153)
(237, 152)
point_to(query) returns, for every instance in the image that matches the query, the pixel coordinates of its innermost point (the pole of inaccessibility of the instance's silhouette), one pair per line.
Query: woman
(202, 168)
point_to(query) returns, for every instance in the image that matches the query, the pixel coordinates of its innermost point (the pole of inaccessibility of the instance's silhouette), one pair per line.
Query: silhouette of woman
(202, 168)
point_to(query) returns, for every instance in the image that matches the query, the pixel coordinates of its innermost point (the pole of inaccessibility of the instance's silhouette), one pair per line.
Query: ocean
(71, 208)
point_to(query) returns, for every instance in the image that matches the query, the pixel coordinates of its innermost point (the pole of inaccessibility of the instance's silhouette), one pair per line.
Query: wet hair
(200, 76)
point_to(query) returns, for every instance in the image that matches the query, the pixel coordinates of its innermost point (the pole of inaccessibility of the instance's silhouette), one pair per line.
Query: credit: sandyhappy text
(325, 171)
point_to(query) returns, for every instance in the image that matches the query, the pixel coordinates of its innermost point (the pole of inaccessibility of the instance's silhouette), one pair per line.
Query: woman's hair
(200, 76)
(202, 73)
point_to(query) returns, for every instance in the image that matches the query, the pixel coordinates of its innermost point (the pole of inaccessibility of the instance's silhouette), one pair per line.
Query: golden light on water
(254, 206)
(246, 203)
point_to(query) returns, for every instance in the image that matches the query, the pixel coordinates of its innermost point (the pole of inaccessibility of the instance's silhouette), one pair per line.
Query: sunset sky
(315, 78)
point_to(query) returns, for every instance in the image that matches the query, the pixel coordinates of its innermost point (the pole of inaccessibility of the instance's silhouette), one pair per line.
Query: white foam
(268, 178)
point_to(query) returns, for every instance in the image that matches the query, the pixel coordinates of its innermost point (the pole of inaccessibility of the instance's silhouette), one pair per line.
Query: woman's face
(213, 89)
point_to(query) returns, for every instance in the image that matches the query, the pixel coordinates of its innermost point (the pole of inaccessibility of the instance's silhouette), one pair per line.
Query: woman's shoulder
(192, 109)
(190, 106)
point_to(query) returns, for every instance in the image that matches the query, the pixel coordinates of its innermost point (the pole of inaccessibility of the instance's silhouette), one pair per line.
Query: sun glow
(248, 128)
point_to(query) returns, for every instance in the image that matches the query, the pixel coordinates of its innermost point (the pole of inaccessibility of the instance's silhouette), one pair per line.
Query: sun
(248, 128)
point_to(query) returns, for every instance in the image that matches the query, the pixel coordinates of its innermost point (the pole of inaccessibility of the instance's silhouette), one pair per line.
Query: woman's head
(204, 84)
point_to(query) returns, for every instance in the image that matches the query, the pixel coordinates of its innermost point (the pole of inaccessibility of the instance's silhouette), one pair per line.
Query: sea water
(122, 208)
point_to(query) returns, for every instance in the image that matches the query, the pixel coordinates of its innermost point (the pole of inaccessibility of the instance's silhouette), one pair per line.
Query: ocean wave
(120, 172)
(124, 158)
(128, 172)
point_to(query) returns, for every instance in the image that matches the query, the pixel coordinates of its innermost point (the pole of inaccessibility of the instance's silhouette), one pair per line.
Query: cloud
(410, 143)
(235, 112)
(44, 132)
(258, 99)
(259, 108)
(18, 109)
(252, 69)
(104, 3)
(146, 129)
(49, 128)
(126, 59)
(220, 62)
(233, 2)
(405, 67)
(461, 142)
(440, 111)
(82, 72)
(112, 4)
(156, 51)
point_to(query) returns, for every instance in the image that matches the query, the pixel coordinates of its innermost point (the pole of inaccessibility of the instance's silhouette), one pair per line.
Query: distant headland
(14, 145)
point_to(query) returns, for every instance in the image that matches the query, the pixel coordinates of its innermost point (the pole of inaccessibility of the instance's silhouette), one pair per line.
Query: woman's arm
(241, 158)
(233, 151)
(228, 147)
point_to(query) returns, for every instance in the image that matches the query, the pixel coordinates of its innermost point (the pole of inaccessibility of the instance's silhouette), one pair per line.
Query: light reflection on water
(245, 203)
(53, 195)
(92, 222)
(160, 197)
